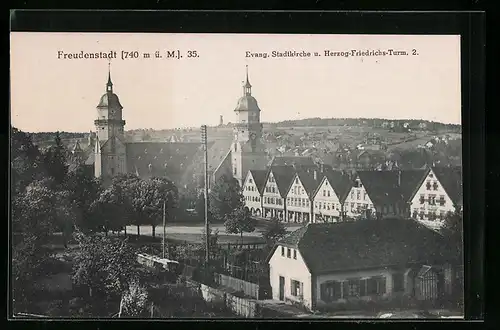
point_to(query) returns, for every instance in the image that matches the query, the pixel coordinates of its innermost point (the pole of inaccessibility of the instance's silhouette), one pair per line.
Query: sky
(50, 93)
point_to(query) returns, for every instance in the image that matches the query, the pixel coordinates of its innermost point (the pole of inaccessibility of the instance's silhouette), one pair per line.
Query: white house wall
(297, 200)
(326, 202)
(251, 195)
(271, 198)
(357, 199)
(290, 269)
(424, 209)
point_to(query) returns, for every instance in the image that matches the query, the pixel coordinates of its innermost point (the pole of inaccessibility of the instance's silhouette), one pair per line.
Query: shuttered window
(330, 291)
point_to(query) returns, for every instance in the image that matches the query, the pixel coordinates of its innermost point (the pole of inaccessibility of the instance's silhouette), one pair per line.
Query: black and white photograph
(266, 176)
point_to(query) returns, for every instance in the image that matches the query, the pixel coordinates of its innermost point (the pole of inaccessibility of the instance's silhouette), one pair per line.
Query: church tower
(247, 151)
(110, 152)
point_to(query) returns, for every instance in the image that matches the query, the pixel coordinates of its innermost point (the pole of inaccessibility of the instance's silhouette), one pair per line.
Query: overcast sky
(49, 94)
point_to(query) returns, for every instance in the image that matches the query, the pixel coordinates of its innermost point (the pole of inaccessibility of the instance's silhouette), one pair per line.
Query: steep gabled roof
(381, 186)
(410, 182)
(366, 244)
(259, 177)
(284, 176)
(339, 181)
(307, 179)
(452, 182)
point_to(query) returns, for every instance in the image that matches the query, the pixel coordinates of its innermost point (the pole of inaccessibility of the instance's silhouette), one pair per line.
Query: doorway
(282, 288)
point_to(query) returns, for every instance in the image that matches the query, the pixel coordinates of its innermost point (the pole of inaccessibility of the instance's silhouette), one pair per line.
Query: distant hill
(370, 122)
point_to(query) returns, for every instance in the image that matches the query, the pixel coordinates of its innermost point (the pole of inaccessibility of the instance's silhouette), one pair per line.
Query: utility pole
(207, 232)
(164, 231)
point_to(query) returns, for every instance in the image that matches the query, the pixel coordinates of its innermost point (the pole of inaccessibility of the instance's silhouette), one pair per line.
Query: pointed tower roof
(110, 83)
(109, 99)
(247, 83)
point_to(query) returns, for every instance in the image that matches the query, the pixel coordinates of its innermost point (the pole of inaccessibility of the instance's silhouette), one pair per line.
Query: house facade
(299, 196)
(329, 197)
(357, 202)
(322, 265)
(274, 192)
(252, 191)
(439, 192)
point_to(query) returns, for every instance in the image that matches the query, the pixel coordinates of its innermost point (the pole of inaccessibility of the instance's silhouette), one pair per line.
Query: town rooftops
(283, 176)
(452, 182)
(366, 244)
(291, 160)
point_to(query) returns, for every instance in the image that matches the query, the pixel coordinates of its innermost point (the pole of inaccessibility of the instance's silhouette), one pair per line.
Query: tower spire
(247, 87)
(109, 85)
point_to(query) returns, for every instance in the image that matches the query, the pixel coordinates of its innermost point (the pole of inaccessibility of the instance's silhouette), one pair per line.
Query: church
(110, 154)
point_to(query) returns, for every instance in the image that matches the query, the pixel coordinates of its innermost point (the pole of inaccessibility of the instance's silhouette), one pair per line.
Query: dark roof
(110, 100)
(247, 103)
(381, 186)
(292, 160)
(259, 177)
(340, 182)
(366, 244)
(452, 182)
(148, 159)
(410, 182)
(284, 176)
(307, 178)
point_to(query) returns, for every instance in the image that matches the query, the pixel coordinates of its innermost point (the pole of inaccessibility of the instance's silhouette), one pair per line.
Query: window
(375, 285)
(250, 180)
(422, 199)
(435, 186)
(297, 180)
(295, 254)
(324, 193)
(353, 288)
(358, 195)
(352, 194)
(442, 201)
(398, 282)
(432, 199)
(296, 288)
(234, 171)
(282, 251)
(428, 185)
(364, 195)
(328, 193)
(288, 252)
(330, 291)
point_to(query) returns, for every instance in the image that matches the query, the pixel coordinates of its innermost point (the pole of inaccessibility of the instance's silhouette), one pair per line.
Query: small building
(321, 265)
(253, 187)
(438, 192)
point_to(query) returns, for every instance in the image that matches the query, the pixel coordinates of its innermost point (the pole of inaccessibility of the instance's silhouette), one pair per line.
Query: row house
(313, 194)
(438, 192)
(276, 184)
(329, 197)
(252, 191)
(299, 198)
(377, 194)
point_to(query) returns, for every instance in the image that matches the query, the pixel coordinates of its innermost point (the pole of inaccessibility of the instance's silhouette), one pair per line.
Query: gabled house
(439, 191)
(329, 197)
(276, 185)
(253, 187)
(299, 195)
(320, 265)
(377, 194)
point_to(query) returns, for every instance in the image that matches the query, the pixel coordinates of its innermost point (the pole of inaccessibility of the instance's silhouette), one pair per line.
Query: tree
(105, 266)
(225, 197)
(134, 300)
(111, 208)
(55, 160)
(152, 195)
(274, 231)
(453, 230)
(130, 187)
(83, 191)
(240, 221)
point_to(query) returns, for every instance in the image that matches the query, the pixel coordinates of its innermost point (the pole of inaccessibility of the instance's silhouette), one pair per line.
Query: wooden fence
(249, 289)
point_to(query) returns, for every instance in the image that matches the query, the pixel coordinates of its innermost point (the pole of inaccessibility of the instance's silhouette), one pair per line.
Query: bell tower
(248, 151)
